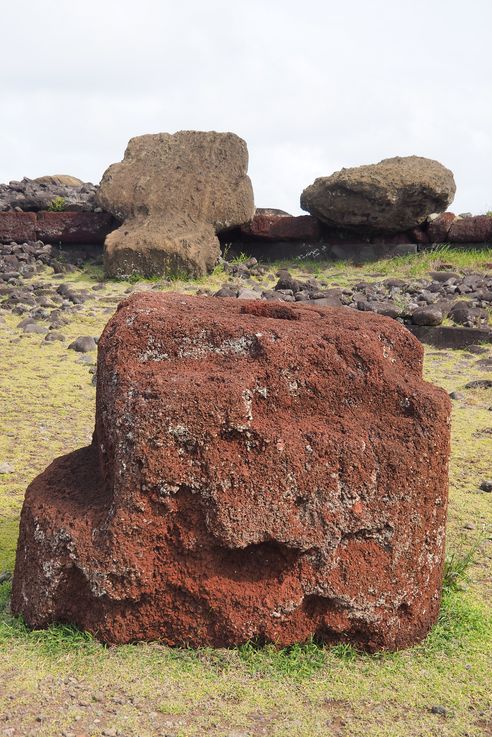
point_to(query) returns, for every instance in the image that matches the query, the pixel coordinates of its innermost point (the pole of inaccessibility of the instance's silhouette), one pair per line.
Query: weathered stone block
(257, 471)
(282, 227)
(439, 228)
(17, 226)
(477, 229)
(88, 228)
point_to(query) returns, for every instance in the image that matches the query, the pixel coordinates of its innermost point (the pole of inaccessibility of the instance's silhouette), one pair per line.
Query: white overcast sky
(311, 86)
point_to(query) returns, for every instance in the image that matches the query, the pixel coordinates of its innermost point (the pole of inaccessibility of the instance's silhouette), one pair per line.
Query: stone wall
(269, 236)
(66, 228)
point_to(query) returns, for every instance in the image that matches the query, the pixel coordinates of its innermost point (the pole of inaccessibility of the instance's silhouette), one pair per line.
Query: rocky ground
(438, 296)
(50, 192)
(62, 683)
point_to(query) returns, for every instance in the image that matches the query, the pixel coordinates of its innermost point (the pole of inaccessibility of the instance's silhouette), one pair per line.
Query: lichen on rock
(257, 472)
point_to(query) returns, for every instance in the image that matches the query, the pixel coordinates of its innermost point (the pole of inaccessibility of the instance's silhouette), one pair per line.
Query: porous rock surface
(395, 195)
(257, 471)
(39, 194)
(174, 193)
(273, 226)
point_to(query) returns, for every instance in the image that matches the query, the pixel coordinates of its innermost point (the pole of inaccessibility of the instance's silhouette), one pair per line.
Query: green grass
(458, 564)
(347, 273)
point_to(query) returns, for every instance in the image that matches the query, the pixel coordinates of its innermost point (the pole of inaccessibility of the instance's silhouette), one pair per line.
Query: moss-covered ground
(62, 682)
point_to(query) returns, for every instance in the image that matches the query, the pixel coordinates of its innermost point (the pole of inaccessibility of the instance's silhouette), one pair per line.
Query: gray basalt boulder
(174, 193)
(63, 191)
(393, 196)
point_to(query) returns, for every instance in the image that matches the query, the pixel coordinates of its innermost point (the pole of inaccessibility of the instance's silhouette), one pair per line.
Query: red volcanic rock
(438, 229)
(17, 226)
(419, 235)
(476, 229)
(283, 227)
(88, 228)
(256, 471)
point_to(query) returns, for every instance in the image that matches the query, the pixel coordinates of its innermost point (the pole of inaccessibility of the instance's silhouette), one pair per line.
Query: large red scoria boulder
(257, 471)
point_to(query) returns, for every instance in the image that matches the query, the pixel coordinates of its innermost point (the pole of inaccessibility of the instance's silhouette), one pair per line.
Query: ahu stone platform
(258, 471)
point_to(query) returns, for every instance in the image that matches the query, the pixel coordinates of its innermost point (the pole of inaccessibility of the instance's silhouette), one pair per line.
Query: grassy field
(62, 682)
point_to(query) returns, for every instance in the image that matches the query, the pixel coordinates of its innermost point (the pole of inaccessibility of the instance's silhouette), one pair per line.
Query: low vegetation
(57, 204)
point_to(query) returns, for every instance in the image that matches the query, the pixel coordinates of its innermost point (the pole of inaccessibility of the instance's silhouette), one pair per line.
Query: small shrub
(457, 565)
(57, 205)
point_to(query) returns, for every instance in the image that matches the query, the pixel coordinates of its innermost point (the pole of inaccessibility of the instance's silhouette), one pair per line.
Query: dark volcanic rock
(444, 276)
(479, 384)
(427, 316)
(450, 337)
(39, 194)
(462, 313)
(83, 344)
(258, 470)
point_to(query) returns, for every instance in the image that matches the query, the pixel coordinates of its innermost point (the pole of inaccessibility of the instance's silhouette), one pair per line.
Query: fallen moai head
(173, 194)
(390, 197)
(258, 471)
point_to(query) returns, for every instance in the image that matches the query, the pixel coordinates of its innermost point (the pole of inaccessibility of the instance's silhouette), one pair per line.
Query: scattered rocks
(83, 344)
(444, 276)
(393, 196)
(6, 468)
(67, 193)
(484, 363)
(245, 293)
(441, 710)
(479, 384)
(427, 316)
(457, 395)
(174, 193)
(33, 327)
(447, 336)
(421, 303)
(54, 335)
(486, 485)
(477, 349)
(222, 547)
(23, 259)
(463, 313)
